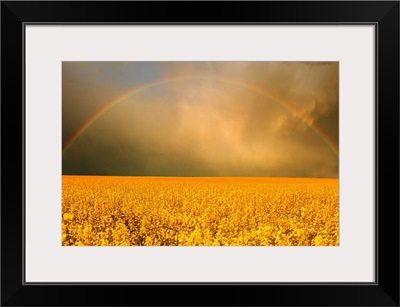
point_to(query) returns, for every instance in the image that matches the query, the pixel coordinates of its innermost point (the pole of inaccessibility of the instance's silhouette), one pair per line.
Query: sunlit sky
(258, 119)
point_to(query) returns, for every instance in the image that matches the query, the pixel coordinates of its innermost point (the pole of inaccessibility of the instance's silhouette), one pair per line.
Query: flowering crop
(206, 211)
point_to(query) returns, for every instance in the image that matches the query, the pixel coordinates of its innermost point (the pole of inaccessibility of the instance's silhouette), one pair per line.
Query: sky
(251, 119)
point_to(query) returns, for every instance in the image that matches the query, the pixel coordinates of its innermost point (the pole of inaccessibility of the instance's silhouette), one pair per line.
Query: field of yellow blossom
(206, 211)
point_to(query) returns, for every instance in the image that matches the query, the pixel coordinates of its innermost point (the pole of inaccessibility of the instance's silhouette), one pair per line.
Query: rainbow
(288, 106)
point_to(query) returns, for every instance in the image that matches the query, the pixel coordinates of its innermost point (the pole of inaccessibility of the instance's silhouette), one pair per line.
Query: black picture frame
(383, 14)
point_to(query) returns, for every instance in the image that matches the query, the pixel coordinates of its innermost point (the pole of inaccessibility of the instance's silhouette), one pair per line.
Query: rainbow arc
(261, 91)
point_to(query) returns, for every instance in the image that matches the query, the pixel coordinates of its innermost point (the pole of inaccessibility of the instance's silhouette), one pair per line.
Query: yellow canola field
(188, 211)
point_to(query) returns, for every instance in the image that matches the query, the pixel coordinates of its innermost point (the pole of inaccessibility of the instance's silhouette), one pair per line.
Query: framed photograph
(241, 147)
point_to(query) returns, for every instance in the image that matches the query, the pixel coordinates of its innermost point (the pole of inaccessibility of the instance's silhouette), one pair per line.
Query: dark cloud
(202, 126)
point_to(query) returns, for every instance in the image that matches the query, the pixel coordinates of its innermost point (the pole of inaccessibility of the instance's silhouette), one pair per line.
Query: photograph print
(200, 153)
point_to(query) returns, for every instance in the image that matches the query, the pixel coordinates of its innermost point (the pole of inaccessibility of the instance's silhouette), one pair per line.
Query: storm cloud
(201, 119)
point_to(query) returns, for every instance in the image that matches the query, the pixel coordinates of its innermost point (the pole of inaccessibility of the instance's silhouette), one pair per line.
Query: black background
(384, 293)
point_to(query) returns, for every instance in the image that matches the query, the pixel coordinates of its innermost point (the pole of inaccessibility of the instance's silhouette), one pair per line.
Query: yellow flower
(68, 216)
